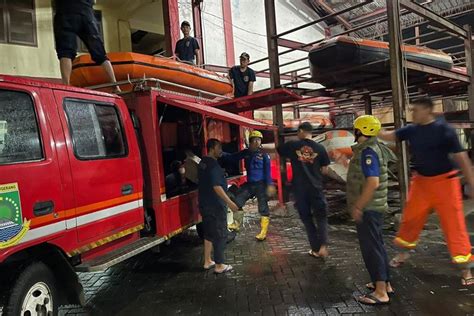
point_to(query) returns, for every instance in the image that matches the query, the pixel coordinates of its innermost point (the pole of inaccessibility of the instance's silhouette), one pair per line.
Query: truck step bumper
(119, 255)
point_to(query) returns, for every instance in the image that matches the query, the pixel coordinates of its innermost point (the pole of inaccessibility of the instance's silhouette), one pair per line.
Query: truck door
(31, 199)
(104, 161)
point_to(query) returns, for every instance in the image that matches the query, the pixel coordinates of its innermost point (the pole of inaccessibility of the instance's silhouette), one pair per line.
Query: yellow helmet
(368, 125)
(255, 134)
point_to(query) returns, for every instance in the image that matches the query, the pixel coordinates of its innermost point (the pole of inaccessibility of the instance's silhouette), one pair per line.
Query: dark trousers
(250, 189)
(369, 232)
(311, 204)
(214, 222)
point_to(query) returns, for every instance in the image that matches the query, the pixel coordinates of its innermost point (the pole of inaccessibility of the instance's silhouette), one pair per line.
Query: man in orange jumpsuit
(434, 186)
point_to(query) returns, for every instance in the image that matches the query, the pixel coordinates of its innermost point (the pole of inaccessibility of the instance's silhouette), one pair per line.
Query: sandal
(370, 286)
(467, 282)
(376, 302)
(211, 265)
(228, 268)
(396, 262)
(316, 255)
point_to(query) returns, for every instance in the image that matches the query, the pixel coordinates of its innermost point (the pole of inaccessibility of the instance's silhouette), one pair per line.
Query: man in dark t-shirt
(242, 77)
(76, 19)
(309, 161)
(187, 47)
(213, 203)
(436, 185)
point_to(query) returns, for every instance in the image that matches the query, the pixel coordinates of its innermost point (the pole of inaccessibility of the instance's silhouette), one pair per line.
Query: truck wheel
(200, 230)
(34, 293)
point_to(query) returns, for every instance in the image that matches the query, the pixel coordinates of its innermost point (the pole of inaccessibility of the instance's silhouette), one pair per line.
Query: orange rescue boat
(135, 66)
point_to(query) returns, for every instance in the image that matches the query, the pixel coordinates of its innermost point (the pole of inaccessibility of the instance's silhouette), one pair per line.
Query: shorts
(214, 224)
(67, 27)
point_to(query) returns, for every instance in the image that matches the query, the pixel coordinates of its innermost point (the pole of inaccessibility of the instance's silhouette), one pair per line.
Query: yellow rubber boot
(238, 220)
(264, 222)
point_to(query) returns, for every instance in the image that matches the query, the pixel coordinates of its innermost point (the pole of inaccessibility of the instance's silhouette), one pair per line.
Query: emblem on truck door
(12, 226)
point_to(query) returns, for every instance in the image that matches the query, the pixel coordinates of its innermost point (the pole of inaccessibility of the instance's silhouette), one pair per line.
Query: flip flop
(213, 264)
(371, 287)
(467, 282)
(377, 302)
(394, 263)
(228, 268)
(314, 254)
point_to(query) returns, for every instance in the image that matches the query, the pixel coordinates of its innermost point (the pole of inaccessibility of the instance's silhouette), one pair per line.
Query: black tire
(34, 275)
(200, 230)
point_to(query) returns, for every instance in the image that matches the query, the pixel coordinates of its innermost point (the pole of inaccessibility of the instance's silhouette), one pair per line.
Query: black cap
(306, 127)
(245, 55)
(185, 23)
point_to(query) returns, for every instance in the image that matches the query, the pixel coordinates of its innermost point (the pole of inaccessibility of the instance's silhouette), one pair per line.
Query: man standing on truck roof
(187, 47)
(367, 189)
(76, 19)
(259, 182)
(309, 161)
(435, 185)
(213, 203)
(242, 77)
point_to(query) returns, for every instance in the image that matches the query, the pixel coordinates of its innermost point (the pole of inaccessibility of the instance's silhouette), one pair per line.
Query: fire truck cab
(83, 181)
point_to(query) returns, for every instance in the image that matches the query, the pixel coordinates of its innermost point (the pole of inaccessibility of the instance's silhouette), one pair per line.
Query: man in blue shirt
(187, 47)
(242, 77)
(367, 188)
(435, 185)
(259, 181)
(213, 203)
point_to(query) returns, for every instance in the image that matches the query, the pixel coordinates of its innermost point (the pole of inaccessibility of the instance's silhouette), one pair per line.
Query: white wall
(40, 61)
(249, 28)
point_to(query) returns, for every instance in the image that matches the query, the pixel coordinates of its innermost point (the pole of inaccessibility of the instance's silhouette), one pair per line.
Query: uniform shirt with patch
(185, 48)
(307, 158)
(370, 163)
(257, 164)
(241, 80)
(210, 174)
(430, 147)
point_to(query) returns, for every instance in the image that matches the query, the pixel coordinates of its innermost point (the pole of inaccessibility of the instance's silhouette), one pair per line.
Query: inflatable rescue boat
(135, 66)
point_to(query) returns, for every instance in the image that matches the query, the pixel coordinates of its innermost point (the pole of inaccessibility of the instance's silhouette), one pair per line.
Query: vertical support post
(398, 90)
(171, 21)
(417, 34)
(469, 48)
(368, 104)
(296, 109)
(272, 44)
(197, 21)
(228, 32)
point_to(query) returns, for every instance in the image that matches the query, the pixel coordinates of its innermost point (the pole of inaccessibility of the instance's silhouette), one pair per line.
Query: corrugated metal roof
(359, 15)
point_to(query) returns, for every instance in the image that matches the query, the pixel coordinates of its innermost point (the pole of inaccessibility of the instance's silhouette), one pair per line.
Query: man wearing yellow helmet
(367, 188)
(259, 182)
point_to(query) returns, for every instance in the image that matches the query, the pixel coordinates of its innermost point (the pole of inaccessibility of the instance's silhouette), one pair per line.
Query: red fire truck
(82, 179)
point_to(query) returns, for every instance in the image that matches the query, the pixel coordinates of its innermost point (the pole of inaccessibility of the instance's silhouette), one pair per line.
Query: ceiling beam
(330, 10)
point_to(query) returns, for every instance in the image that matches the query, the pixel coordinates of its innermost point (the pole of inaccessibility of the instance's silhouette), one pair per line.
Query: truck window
(96, 130)
(19, 133)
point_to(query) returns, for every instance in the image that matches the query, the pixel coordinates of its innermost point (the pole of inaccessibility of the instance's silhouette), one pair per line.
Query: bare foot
(371, 286)
(399, 259)
(208, 265)
(323, 252)
(374, 299)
